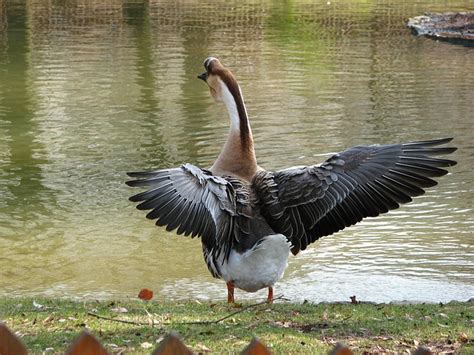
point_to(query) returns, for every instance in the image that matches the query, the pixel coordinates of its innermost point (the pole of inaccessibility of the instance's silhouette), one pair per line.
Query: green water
(92, 89)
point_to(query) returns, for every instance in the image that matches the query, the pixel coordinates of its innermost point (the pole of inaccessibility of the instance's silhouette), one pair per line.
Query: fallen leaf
(48, 319)
(284, 324)
(340, 349)
(146, 345)
(37, 305)
(423, 351)
(463, 338)
(201, 347)
(354, 300)
(145, 294)
(119, 310)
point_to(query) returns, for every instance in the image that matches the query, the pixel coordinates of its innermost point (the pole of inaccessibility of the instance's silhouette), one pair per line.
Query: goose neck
(238, 155)
(239, 122)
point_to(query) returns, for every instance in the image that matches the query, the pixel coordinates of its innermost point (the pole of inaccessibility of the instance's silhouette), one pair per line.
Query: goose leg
(270, 295)
(230, 292)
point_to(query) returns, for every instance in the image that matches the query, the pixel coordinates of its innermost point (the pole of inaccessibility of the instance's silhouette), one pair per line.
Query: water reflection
(27, 204)
(90, 90)
(152, 146)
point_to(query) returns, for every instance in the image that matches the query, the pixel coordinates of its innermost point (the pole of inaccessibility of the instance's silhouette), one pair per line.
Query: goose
(250, 219)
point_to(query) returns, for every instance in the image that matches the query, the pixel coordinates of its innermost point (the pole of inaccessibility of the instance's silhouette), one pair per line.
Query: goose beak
(203, 76)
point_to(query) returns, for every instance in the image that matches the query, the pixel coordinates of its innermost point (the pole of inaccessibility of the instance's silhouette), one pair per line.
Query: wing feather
(364, 181)
(191, 201)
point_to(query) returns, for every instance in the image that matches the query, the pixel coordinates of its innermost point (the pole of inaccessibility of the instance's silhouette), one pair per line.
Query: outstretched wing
(307, 203)
(191, 200)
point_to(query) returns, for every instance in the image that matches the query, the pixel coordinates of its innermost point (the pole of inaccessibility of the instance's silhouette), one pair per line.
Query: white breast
(260, 266)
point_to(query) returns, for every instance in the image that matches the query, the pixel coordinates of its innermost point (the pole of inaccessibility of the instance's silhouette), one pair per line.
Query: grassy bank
(51, 324)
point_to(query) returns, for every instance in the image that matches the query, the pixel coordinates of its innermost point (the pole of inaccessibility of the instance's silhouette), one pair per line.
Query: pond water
(91, 89)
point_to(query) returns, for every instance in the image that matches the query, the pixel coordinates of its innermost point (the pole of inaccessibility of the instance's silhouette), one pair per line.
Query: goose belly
(259, 267)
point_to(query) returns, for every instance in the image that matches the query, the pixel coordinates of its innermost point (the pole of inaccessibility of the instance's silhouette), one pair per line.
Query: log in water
(448, 26)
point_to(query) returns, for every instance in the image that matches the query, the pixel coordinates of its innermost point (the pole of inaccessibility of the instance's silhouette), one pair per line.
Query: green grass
(283, 327)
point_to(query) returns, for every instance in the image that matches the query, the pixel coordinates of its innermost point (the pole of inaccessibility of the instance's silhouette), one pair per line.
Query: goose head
(220, 80)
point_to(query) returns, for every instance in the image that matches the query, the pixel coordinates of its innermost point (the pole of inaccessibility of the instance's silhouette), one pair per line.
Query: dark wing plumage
(306, 203)
(191, 200)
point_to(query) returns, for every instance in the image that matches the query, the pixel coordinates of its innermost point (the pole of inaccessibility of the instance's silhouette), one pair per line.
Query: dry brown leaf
(48, 319)
(354, 300)
(145, 294)
(463, 338)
